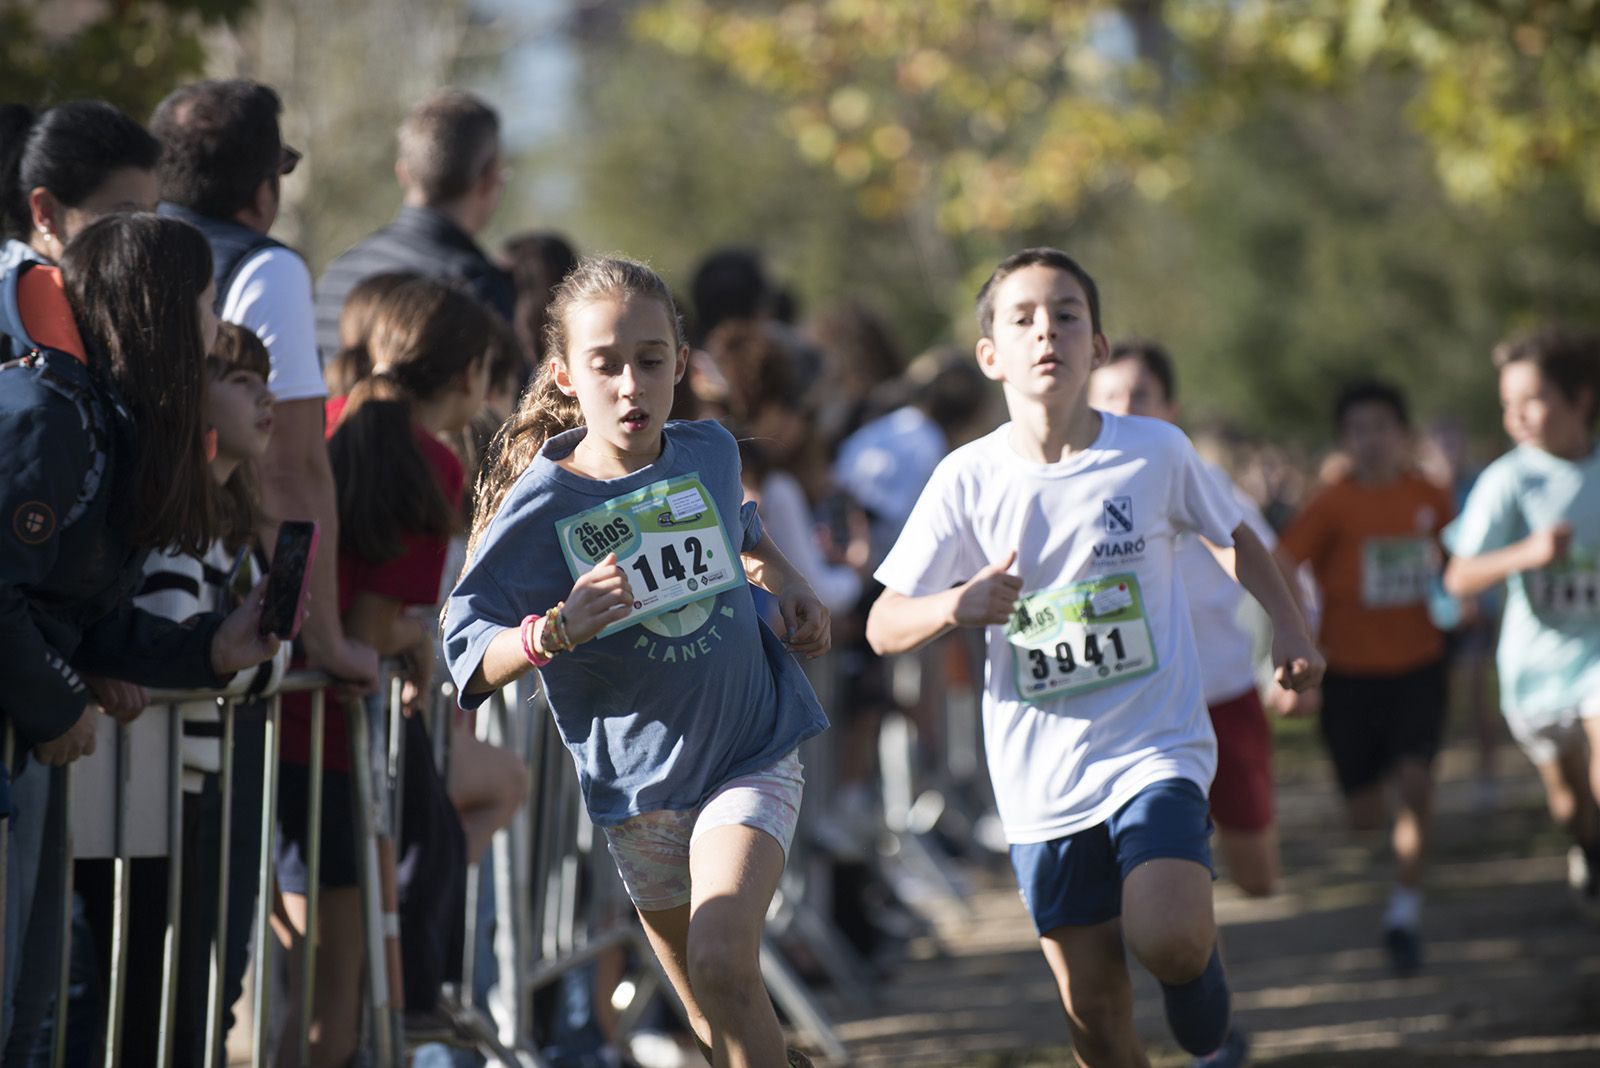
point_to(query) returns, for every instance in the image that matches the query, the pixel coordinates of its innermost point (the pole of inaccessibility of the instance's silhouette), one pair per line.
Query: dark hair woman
(63, 168)
(105, 459)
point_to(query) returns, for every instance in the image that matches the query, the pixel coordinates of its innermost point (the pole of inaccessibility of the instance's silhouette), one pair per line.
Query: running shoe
(1234, 1051)
(798, 1059)
(1405, 949)
(1583, 879)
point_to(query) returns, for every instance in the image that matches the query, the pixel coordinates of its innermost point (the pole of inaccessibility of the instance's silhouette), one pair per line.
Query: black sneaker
(1405, 949)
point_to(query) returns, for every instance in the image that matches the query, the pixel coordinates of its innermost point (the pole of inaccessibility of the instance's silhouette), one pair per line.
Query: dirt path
(1512, 976)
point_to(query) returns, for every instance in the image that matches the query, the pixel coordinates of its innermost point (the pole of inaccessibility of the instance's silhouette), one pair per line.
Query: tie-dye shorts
(652, 849)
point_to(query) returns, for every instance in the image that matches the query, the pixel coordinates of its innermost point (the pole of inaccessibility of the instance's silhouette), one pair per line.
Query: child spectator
(399, 498)
(353, 362)
(180, 586)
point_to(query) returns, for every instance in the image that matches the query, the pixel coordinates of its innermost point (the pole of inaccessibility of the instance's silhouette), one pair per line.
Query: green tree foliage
(131, 52)
(1288, 193)
(1005, 111)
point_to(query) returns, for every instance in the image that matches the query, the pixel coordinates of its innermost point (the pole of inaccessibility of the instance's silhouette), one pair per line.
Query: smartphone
(289, 578)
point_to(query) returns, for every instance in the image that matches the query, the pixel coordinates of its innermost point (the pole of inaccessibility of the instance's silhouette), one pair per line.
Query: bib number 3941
(669, 541)
(1076, 638)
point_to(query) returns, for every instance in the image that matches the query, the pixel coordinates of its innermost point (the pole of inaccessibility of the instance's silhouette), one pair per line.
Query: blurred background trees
(1288, 192)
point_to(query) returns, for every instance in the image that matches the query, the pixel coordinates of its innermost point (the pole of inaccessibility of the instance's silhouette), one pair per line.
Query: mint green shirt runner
(1549, 652)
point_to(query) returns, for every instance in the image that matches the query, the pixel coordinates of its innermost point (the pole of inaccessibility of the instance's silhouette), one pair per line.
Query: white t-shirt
(786, 517)
(271, 296)
(884, 466)
(1225, 643)
(1105, 522)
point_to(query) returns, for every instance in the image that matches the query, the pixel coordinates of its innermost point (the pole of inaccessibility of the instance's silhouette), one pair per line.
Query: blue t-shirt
(1549, 652)
(663, 711)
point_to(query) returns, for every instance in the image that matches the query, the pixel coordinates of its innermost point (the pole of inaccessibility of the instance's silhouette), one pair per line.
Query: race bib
(1397, 571)
(1564, 592)
(669, 540)
(1080, 637)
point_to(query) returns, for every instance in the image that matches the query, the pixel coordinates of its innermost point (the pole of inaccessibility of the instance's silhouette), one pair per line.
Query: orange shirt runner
(1375, 552)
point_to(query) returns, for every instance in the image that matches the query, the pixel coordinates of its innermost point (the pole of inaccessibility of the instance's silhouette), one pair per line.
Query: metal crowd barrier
(383, 1028)
(558, 901)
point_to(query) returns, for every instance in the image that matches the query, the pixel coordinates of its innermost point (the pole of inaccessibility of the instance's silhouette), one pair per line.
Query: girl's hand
(805, 619)
(239, 643)
(598, 599)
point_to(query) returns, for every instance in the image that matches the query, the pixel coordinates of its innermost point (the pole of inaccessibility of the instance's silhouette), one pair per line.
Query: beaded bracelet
(557, 621)
(529, 646)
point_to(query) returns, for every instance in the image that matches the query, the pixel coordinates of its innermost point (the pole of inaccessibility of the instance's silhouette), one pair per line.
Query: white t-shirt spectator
(884, 466)
(787, 517)
(271, 296)
(1226, 644)
(1096, 540)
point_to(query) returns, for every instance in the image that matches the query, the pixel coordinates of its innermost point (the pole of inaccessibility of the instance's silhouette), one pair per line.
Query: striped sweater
(179, 587)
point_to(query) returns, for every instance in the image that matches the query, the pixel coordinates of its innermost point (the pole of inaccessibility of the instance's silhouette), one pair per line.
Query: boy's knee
(1176, 957)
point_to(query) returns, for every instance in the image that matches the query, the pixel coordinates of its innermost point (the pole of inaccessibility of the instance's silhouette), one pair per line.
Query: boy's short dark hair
(446, 143)
(1370, 391)
(1035, 257)
(219, 141)
(1569, 358)
(1155, 359)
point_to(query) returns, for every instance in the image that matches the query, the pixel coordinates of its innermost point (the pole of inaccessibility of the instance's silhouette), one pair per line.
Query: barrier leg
(373, 897)
(308, 957)
(58, 1051)
(215, 1036)
(117, 993)
(166, 1039)
(8, 751)
(798, 1004)
(263, 926)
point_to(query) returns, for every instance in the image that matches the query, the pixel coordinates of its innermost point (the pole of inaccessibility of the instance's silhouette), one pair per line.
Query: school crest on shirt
(1118, 512)
(1125, 544)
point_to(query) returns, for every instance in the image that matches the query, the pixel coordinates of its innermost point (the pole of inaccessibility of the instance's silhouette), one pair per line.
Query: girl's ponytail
(544, 411)
(424, 335)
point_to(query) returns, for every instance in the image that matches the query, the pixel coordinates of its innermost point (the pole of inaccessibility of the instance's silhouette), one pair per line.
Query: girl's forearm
(767, 567)
(503, 663)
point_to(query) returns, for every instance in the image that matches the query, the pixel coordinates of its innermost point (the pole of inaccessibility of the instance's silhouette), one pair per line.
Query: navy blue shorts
(1076, 881)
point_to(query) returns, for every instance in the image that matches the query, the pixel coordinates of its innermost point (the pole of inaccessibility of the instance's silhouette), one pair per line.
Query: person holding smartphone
(103, 431)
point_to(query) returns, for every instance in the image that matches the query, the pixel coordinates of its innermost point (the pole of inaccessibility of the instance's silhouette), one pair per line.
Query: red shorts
(1241, 794)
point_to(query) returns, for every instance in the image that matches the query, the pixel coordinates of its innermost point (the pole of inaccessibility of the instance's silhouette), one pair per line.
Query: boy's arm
(805, 617)
(1300, 665)
(898, 624)
(1468, 576)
